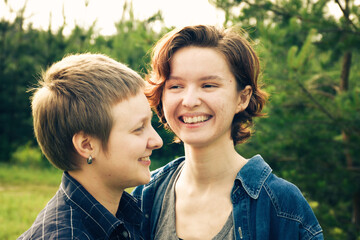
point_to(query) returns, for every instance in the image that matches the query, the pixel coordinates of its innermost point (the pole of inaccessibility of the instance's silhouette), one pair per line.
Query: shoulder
(55, 225)
(57, 232)
(290, 204)
(56, 220)
(278, 202)
(283, 194)
(159, 177)
(277, 187)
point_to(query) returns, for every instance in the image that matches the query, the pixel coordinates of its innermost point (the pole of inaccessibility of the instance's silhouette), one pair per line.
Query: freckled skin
(186, 92)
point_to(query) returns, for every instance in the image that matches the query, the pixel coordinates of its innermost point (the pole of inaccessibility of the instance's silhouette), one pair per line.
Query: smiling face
(200, 98)
(125, 162)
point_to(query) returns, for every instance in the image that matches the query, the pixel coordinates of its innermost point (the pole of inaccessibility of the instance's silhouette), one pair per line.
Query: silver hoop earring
(89, 160)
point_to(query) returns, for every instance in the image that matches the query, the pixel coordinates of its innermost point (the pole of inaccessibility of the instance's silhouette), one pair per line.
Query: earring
(89, 160)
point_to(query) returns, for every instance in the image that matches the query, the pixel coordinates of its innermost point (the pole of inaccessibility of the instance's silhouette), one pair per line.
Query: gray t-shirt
(166, 227)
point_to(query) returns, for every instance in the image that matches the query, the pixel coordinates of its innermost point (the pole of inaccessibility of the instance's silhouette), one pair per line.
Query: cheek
(226, 111)
(167, 106)
(125, 145)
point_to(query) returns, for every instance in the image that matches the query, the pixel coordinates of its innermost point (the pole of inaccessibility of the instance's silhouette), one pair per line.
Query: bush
(28, 155)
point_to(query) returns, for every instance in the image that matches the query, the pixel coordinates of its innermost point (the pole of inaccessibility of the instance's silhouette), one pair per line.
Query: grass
(24, 192)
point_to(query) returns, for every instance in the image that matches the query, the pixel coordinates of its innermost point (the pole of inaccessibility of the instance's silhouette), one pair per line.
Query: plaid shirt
(74, 214)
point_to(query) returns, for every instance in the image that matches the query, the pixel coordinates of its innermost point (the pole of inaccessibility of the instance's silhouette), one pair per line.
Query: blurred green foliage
(311, 68)
(27, 155)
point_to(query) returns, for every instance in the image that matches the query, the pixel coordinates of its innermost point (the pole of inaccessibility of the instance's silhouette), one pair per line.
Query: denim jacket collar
(253, 175)
(263, 204)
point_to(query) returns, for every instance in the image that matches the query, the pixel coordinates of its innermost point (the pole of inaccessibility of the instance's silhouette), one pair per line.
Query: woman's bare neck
(212, 165)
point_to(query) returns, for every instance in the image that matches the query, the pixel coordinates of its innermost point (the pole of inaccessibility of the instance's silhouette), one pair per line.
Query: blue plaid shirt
(74, 214)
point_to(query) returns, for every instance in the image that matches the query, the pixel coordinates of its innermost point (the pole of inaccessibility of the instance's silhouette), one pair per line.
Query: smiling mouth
(194, 120)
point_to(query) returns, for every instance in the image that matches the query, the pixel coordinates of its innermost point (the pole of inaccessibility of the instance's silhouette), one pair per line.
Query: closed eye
(174, 83)
(208, 85)
(174, 87)
(139, 129)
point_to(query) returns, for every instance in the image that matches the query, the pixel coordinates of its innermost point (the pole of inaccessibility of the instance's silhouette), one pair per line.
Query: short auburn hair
(239, 54)
(77, 94)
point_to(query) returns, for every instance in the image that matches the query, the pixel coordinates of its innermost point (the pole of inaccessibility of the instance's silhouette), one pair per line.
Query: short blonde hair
(76, 94)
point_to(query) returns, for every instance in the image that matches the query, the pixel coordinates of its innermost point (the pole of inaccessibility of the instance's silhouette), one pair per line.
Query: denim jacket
(264, 205)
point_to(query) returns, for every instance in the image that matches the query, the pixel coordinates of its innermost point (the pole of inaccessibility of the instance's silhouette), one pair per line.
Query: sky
(107, 12)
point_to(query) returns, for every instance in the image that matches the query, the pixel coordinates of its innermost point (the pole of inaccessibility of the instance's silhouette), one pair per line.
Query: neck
(108, 197)
(212, 164)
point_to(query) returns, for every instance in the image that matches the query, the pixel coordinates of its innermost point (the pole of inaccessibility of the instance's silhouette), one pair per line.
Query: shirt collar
(253, 175)
(127, 212)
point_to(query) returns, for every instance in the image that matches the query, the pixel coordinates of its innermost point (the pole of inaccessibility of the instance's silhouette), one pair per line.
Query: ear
(83, 143)
(244, 98)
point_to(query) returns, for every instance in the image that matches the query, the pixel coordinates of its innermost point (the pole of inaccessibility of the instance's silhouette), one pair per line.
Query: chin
(195, 142)
(144, 180)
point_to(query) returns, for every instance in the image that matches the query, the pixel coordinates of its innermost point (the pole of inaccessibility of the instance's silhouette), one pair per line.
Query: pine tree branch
(353, 129)
(311, 97)
(280, 11)
(346, 15)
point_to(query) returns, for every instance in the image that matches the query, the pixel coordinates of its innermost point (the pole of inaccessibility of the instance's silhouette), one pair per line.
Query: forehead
(195, 52)
(199, 61)
(131, 110)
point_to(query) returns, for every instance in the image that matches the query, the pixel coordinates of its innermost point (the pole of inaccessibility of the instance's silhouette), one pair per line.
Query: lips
(195, 119)
(144, 159)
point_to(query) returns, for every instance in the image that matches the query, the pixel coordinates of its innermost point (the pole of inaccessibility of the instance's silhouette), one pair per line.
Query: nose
(155, 140)
(191, 98)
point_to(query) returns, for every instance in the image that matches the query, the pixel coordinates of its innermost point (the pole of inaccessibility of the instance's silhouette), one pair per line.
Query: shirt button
(125, 234)
(146, 215)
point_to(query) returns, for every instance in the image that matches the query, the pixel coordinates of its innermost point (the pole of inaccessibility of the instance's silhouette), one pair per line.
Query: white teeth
(145, 158)
(195, 119)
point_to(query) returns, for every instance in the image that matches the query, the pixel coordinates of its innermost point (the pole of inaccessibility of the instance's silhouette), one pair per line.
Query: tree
(26, 51)
(311, 136)
(19, 55)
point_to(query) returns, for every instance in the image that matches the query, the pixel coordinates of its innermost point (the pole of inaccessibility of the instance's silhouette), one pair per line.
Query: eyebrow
(146, 117)
(142, 120)
(210, 77)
